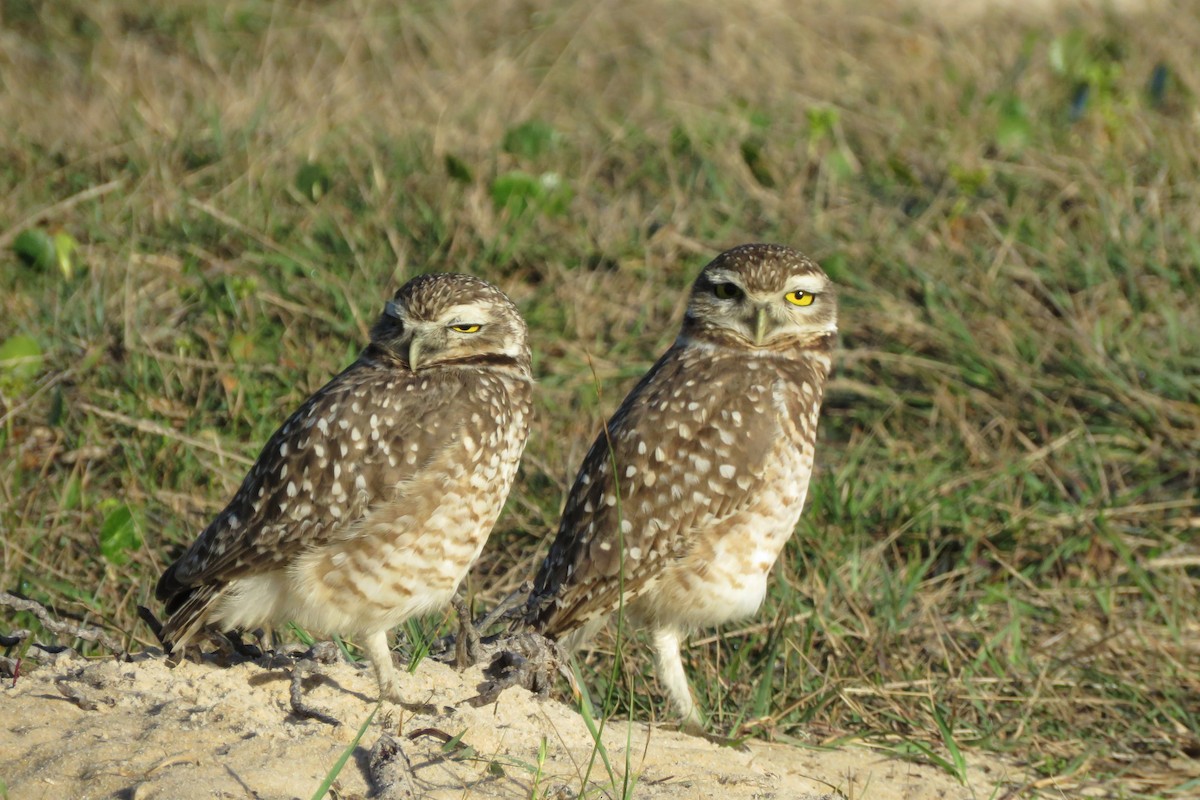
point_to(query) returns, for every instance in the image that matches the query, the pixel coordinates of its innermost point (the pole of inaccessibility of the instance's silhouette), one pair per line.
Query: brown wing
(351, 445)
(683, 452)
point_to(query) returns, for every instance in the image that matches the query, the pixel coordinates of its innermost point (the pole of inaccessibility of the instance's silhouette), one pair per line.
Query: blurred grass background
(203, 206)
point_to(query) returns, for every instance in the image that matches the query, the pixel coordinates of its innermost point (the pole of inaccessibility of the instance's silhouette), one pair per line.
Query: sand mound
(141, 729)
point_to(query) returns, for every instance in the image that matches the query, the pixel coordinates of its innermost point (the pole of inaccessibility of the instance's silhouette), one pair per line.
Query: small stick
(74, 695)
(504, 608)
(299, 707)
(54, 626)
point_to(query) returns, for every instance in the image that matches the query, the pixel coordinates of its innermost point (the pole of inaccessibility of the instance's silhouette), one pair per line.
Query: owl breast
(723, 575)
(416, 539)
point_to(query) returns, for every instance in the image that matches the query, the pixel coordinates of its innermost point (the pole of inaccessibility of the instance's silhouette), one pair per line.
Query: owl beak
(760, 326)
(414, 354)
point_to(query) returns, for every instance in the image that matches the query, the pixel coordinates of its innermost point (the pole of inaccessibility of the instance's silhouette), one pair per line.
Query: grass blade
(331, 776)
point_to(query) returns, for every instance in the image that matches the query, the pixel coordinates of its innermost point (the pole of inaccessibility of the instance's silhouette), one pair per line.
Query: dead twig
(153, 428)
(325, 653)
(88, 634)
(91, 193)
(74, 695)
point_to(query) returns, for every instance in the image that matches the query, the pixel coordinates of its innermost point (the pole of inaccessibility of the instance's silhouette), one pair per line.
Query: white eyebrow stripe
(812, 284)
(472, 313)
(724, 276)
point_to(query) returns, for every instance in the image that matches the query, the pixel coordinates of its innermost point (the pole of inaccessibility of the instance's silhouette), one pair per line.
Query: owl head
(764, 297)
(444, 318)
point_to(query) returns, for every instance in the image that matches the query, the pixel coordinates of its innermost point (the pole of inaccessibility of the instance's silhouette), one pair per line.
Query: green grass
(335, 770)
(999, 551)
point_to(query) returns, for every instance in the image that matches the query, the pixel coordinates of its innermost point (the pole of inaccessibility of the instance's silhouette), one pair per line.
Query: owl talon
(467, 652)
(389, 691)
(391, 694)
(469, 646)
(721, 740)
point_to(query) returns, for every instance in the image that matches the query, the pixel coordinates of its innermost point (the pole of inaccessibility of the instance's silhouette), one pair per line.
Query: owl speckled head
(766, 296)
(443, 318)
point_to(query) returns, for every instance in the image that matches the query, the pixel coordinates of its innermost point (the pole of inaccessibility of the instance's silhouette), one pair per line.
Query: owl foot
(721, 740)
(467, 651)
(244, 649)
(469, 646)
(389, 691)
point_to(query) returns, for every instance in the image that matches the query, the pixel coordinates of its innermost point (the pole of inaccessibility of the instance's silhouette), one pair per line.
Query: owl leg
(670, 672)
(380, 656)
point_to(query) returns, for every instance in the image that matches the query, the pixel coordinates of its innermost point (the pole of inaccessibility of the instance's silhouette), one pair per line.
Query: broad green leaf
(20, 360)
(515, 191)
(822, 124)
(556, 194)
(119, 535)
(35, 248)
(530, 139)
(313, 180)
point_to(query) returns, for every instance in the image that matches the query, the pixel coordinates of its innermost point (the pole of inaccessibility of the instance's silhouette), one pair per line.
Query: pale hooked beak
(760, 326)
(414, 354)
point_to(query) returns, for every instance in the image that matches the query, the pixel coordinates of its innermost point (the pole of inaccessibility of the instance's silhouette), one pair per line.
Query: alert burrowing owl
(683, 504)
(371, 502)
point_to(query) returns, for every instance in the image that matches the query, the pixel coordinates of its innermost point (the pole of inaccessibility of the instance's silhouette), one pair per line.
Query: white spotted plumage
(685, 501)
(372, 500)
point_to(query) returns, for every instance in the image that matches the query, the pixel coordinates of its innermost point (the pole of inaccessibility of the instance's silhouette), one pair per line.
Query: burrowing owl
(373, 499)
(683, 504)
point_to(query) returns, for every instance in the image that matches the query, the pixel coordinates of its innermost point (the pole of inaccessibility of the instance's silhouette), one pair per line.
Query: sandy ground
(142, 730)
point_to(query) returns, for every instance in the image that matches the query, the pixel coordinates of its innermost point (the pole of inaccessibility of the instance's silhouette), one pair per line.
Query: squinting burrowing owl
(683, 504)
(373, 499)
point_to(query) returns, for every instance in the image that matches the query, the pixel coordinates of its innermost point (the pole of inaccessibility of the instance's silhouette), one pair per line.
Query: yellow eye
(799, 298)
(725, 291)
(465, 328)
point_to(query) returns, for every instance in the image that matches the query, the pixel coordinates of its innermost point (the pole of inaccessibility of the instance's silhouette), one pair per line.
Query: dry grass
(1000, 551)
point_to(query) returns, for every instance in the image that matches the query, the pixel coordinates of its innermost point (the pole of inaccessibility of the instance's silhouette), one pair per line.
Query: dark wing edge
(187, 612)
(545, 612)
(199, 568)
(562, 600)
